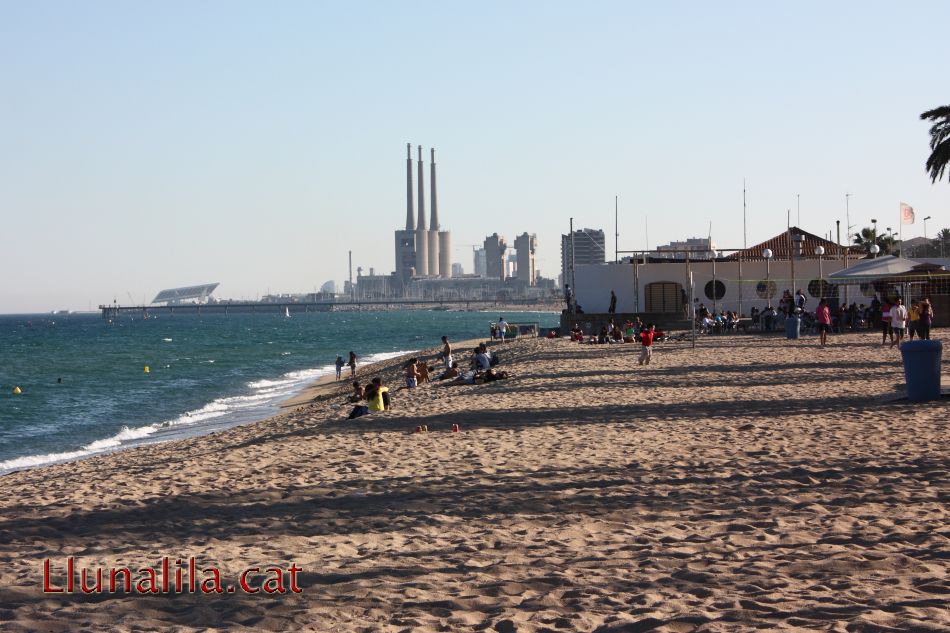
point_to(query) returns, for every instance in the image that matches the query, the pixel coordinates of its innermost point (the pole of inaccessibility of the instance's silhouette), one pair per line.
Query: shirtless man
(446, 353)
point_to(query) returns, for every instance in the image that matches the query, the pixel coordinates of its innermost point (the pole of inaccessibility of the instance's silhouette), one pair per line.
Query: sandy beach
(751, 483)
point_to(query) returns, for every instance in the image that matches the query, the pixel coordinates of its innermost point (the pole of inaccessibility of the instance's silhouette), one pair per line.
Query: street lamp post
(874, 233)
(767, 254)
(875, 249)
(925, 226)
(820, 251)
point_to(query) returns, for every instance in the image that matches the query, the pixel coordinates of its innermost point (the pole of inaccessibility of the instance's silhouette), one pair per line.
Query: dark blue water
(84, 388)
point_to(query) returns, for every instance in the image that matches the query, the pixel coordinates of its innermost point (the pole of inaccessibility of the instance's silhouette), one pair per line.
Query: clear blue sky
(152, 145)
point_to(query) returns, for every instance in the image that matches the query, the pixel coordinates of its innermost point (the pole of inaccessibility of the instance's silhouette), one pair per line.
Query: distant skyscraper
(526, 246)
(478, 263)
(457, 270)
(495, 247)
(589, 249)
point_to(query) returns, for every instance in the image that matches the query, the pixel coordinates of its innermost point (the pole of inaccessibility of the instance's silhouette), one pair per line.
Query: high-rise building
(478, 262)
(495, 247)
(526, 246)
(588, 249)
(457, 270)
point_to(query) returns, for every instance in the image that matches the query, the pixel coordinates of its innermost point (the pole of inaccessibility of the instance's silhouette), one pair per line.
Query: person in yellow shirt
(914, 320)
(378, 399)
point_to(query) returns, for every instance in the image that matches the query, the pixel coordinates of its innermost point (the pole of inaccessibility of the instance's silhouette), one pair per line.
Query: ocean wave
(263, 393)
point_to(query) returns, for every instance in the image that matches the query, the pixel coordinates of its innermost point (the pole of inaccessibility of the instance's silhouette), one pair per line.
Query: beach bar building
(667, 283)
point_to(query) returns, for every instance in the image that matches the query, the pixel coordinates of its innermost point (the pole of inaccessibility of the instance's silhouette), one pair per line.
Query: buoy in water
(146, 369)
(17, 391)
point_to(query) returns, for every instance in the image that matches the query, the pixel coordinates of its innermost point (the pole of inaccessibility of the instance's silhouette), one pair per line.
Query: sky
(152, 145)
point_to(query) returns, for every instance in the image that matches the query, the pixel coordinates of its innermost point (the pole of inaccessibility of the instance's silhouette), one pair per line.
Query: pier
(222, 307)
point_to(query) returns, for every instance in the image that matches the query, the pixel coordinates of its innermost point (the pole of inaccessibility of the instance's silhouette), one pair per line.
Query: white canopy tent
(874, 269)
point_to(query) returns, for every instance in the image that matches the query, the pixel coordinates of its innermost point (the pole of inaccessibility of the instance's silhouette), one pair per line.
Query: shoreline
(749, 482)
(163, 432)
(323, 386)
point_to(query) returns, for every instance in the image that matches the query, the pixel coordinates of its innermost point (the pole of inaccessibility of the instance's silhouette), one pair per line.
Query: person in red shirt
(823, 320)
(646, 340)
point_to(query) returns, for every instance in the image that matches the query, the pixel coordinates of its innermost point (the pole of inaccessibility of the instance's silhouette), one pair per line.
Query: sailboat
(287, 312)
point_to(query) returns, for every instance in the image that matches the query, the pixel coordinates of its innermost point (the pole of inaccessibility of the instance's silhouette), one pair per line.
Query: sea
(84, 388)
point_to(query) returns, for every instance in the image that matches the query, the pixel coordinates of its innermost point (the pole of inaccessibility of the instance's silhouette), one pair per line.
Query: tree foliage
(939, 141)
(866, 237)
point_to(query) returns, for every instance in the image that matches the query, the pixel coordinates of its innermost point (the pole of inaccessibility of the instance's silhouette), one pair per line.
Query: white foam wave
(262, 393)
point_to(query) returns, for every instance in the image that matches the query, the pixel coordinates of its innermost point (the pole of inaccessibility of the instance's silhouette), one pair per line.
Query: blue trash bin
(922, 369)
(793, 326)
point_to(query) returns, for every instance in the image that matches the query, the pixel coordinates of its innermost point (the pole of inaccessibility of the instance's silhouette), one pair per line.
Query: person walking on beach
(446, 353)
(352, 364)
(339, 366)
(613, 303)
(646, 340)
(823, 320)
(501, 328)
(898, 322)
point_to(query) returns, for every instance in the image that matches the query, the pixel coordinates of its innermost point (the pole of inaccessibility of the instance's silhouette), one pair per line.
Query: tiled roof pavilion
(780, 247)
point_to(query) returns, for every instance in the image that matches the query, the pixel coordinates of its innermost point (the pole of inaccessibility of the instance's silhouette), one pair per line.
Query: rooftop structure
(175, 295)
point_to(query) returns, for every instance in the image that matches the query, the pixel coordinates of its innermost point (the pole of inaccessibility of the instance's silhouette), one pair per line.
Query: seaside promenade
(751, 483)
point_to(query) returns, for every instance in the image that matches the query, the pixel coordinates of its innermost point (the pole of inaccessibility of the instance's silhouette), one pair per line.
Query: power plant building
(422, 251)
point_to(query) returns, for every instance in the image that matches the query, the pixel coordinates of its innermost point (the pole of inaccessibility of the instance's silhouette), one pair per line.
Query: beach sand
(750, 483)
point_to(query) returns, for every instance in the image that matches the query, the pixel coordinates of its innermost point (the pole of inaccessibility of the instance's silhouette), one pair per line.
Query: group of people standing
(897, 320)
(340, 363)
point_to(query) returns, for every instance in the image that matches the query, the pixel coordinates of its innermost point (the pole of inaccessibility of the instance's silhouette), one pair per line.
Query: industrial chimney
(434, 224)
(422, 237)
(410, 211)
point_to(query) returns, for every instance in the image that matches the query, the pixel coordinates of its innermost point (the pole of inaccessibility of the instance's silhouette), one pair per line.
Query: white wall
(594, 282)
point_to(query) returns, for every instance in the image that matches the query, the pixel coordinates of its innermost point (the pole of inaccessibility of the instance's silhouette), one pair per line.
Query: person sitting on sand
(378, 398)
(451, 372)
(577, 334)
(423, 371)
(360, 409)
(482, 360)
(412, 374)
(552, 334)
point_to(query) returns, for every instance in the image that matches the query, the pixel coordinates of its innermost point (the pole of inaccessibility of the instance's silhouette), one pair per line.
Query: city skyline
(156, 147)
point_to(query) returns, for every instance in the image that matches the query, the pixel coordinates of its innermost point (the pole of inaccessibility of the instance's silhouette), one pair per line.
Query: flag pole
(900, 212)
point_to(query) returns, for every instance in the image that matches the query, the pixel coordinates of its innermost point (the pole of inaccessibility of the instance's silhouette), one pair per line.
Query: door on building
(665, 296)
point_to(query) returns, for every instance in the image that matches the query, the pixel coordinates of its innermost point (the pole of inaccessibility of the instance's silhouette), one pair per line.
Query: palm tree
(866, 237)
(943, 241)
(939, 141)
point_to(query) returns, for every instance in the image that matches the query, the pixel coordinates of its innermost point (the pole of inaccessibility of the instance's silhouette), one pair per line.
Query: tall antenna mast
(745, 244)
(616, 234)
